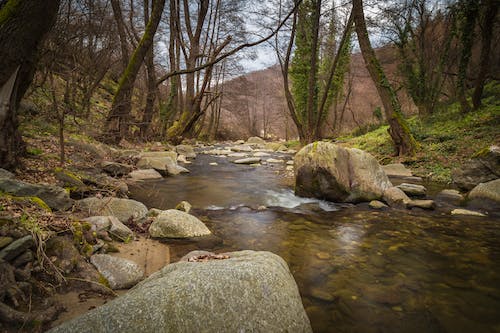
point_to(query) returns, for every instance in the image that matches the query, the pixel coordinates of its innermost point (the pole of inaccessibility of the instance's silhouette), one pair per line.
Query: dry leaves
(207, 257)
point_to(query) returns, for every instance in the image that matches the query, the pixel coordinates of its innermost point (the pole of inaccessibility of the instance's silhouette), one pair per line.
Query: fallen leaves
(207, 257)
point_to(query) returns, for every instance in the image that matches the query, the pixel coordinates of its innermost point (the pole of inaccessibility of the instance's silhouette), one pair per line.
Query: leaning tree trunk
(23, 24)
(404, 142)
(117, 122)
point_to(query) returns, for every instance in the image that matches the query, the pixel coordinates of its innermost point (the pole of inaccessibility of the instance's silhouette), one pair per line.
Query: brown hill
(254, 103)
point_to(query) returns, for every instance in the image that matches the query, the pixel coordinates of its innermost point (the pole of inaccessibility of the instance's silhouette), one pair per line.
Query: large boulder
(249, 292)
(123, 209)
(327, 171)
(255, 141)
(144, 174)
(482, 168)
(165, 165)
(396, 170)
(120, 273)
(54, 196)
(174, 223)
(171, 154)
(486, 195)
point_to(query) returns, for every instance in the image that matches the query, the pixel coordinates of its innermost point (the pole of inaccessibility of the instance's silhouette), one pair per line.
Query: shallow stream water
(358, 270)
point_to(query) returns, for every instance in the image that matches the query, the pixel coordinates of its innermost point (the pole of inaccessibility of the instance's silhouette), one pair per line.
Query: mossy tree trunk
(118, 120)
(399, 131)
(23, 24)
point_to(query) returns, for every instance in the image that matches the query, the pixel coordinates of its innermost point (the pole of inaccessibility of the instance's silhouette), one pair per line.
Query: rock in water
(327, 171)
(120, 273)
(185, 150)
(248, 160)
(174, 223)
(482, 168)
(144, 174)
(413, 189)
(255, 140)
(486, 195)
(123, 209)
(249, 292)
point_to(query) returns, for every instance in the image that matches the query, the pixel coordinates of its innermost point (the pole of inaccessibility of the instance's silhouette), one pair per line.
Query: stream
(357, 269)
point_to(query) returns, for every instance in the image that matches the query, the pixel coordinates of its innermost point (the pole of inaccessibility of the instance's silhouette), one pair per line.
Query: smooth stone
(397, 170)
(116, 169)
(449, 195)
(145, 174)
(249, 292)
(467, 212)
(375, 204)
(185, 150)
(486, 195)
(249, 160)
(261, 154)
(174, 223)
(213, 164)
(98, 223)
(123, 209)
(160, 154)
(323, 255)
(241, 148)
(275, 161)
(16, 248)
(255, 140)
(322, 295)
(238, 155)
(120, 273)
(412, 189)
(395, 197)
(120, 230)
(424, 204)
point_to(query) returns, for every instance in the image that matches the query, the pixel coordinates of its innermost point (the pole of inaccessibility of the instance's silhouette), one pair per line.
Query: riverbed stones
(237, 155)
(116, 169)
(424, 204)
(144, 174)
(123, 209)
(395, 197)
(486, 195)
(120, 273)
(241, 148)
(482, 168)
(466, 212)
(248, 292)
(186, 150)
(450, 196)
(328, 171)
(54, 196)
(275, 161)
(248, 160)
(413, 189)
(173, 223)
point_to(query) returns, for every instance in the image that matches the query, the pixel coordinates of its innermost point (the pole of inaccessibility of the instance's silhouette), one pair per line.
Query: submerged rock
(120, 273)
(123, 209)
(174, 223)
(249, 292)
(327, 171)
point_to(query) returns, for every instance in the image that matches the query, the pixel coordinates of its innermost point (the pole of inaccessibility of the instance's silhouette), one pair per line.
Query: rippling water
(358, 270)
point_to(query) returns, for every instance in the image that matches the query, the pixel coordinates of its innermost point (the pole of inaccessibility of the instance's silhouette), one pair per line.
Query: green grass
(447, 138)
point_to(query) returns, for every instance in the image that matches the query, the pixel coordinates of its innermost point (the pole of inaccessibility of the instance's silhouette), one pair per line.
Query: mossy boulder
(328, 171)
(249, 292)
(483, 167)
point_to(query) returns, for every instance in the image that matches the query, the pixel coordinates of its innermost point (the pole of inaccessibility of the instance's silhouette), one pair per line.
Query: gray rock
(482, 168)
(261, 154)
(119, 230)
(6, 174)
(123, 209)
(54, 196)
(144, 174)
(173, 169)
(248, 160)
(174, 223)
(375, 204)
(396, 170)
(242, 148)
(275, 161)
(237, 155)
(116, 169)
(182, 159)
(160, 154)
(185, 150)
(395, 197)
(413, 189)
(486, 195)
(255, 140)
(4, 241)
(466, 212)
(328, 171)
(157, 163)
(98, 223)
(16, 248)
(120, 273)
(424, 204)
(450, 196)
(218, 152)
(250, 292)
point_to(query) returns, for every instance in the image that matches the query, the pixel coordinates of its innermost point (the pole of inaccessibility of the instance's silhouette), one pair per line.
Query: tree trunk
(23, 24)
(117, 122)
(490, 12)
(404, 142)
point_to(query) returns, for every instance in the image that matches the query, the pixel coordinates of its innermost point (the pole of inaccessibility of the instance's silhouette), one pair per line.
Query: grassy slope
(447, 138)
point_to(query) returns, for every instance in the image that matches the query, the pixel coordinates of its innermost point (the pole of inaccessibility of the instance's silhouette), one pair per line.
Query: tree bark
(23, 24)
(488, 24)
(118, 120)
(404, 142)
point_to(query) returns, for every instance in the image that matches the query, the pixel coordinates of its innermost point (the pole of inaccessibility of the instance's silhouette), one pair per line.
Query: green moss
(482, 152)
(102, 280)
(8, 10)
